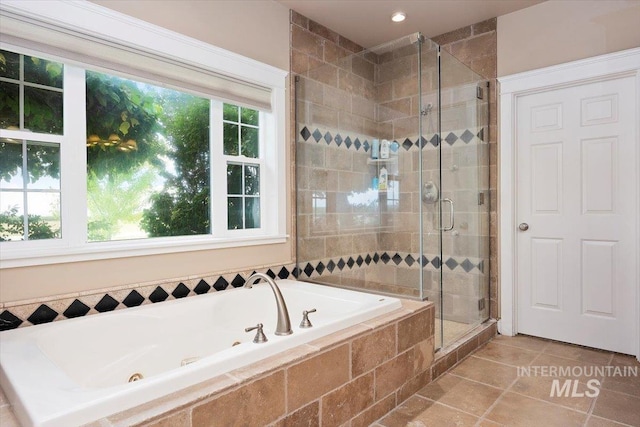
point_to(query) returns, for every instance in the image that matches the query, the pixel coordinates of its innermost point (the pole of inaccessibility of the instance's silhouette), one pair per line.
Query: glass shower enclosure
(392, 179)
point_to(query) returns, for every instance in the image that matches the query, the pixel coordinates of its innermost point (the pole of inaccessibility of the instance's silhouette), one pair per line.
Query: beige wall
(259, 30)
(557, 31)
(256, 29)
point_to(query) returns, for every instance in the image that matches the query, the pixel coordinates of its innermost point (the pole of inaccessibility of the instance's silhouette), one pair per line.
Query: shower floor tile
(452, 330)
(486, 389)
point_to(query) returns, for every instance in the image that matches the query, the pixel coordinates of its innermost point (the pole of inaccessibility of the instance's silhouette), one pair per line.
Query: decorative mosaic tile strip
(401, 259)
(466, 136)
(20, 315)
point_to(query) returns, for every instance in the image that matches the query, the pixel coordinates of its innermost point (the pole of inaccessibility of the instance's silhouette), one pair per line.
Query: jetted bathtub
(77, 371)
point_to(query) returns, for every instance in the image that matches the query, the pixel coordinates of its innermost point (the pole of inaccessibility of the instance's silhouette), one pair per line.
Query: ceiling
(368, 22)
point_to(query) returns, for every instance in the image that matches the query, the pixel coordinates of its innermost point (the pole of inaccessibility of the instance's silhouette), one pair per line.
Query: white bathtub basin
(76, 371)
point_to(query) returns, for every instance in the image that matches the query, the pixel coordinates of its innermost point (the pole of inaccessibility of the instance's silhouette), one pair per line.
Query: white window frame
(73, 245)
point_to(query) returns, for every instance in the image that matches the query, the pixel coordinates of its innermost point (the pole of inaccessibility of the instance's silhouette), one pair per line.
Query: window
(242, 155)
(30, 101)
(98, 164)
(148, 169)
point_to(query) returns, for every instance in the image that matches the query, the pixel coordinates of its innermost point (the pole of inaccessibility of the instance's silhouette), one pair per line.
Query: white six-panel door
(576, 191)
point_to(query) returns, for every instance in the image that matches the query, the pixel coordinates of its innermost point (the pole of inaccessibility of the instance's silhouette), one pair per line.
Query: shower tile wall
(344, 102)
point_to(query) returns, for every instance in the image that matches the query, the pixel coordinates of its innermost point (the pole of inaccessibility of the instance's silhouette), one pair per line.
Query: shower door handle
(451, 215)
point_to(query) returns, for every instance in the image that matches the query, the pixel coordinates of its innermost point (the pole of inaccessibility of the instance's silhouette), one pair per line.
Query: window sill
(125, 249)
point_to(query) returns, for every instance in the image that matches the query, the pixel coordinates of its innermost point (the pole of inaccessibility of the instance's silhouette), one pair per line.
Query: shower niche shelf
(371, 161)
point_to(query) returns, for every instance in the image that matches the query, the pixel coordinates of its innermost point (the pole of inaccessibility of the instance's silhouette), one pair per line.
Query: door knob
(524, 226)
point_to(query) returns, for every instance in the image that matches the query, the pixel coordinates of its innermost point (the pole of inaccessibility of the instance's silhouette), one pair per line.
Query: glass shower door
(464, 199)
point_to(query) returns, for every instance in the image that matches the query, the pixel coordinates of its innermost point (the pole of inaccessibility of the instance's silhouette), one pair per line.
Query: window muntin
(148, 173)
(31, 102)
(157, 59)
(31, 93)
(241, 148)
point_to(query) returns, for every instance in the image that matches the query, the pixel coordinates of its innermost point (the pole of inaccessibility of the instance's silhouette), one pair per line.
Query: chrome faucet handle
(305, 318)
(260, 336)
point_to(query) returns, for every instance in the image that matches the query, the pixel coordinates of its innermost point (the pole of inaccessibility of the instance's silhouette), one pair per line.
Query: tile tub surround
(60, 307)
(357, 375)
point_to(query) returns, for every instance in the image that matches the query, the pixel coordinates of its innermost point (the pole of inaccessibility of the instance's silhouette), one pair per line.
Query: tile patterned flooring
(486, 390)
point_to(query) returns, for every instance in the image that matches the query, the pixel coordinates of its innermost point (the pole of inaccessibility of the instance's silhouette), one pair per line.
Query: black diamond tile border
(134, 299)
(459, 137)
(158, 295)
(107, 303)
(43, 313)
(202, 287)
(76, 309)
(9, 321)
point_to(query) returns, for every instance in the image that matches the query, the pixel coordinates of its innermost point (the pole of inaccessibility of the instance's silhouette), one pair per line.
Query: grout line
(500, 363)
(473, 381)
(494, 404)
(607, 419)
(552, 403)
(520, 348)
(437, 402)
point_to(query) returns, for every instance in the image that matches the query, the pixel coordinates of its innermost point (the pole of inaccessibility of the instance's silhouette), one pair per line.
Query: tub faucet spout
(284, 323)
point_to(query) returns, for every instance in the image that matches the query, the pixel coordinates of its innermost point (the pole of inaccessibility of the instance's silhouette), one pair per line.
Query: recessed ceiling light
(398, 17)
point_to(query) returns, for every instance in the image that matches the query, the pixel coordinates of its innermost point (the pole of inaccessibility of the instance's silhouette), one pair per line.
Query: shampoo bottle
(382, 179)
(375, 148)
(384, 149)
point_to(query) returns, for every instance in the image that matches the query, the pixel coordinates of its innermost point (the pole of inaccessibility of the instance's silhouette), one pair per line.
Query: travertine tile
(468, 396)
(257, 403)
(415, 329)
(548, 361)
(173, 402)
(371, 350)
(347, 401)
(618, 407)
(307, 416)
(392, 374)
(339, 337)
(388, 318)
(594, 421)
(484, 26)
(412, 386)
(423, 356)
(453, 36)
(306, 42)
(375, 412)
(440, 415)
(349, 45)
(486, 371)
(274, 362)
(582, 354)
(179, 419)
(541, 388)
(505, 354)
(406, 412)
(443, 363)
(522, 341)
(516, 410)
(316, 376)
(299, 62)
(323, 31)
(298, 19)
